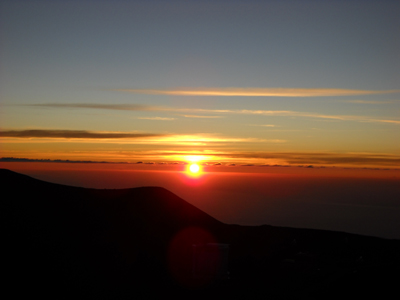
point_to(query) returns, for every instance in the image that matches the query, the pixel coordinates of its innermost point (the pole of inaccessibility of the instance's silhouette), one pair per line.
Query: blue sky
(121, 67)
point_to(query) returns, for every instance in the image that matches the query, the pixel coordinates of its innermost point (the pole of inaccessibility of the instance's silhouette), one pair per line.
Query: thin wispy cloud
(359, 159)
(191, 111)
(236, 158)
(257, 92)
(133, 107)
(140, 138)
(262, 125)
(202, 117)
(369, 102)
(156, 118)
(288, 113)
(312, 158)
(209, 138)
(73, 134)
(381, 160)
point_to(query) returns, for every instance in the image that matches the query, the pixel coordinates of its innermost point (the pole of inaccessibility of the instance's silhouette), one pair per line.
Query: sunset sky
(231, 82)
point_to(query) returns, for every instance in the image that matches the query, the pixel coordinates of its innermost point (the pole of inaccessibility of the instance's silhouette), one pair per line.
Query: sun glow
(194, 158)
(194, 168)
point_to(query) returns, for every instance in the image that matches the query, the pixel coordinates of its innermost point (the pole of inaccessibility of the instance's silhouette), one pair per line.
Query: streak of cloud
(202, 117)
(156, 118)
(327, 158)
(208, 138)
(73, 134)
(257, 92)
(279, 113)
(315, 115)
(352, 159)
(137, 138)
(289, 113)
(236, 158)
(133, 107)
(369, 102)
(262, 125)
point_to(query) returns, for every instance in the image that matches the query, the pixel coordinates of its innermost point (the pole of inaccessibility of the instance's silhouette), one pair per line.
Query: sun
(194, 168)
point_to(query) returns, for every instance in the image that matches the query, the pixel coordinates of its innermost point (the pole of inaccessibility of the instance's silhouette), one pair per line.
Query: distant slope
(62, 241)
(54, 229)
(146, 209)
(159, 202)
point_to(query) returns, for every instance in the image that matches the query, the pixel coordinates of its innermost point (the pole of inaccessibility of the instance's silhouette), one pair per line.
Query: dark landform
(68, 242)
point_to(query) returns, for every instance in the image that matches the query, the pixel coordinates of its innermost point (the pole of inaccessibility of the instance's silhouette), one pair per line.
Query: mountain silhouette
(63, 241)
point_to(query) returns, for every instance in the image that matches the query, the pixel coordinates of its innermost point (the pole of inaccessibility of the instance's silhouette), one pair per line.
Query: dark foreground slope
(64, 242)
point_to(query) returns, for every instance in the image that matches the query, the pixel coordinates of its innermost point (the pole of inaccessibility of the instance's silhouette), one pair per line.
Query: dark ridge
(63, 242)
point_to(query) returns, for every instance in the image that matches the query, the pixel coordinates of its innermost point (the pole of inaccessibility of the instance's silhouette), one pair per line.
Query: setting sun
(194, 168)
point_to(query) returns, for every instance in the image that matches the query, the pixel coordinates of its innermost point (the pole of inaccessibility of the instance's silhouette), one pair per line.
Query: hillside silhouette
(63, 241)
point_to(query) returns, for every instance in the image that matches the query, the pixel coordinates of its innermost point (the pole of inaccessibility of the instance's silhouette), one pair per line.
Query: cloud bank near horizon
(73, 134)
(321, 159)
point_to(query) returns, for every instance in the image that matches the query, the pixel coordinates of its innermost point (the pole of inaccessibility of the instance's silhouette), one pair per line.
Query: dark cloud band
(73, 134)
(132, 107)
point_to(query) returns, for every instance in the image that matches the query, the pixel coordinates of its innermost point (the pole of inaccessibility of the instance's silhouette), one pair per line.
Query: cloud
(369, 102)
(156, 118)
(315, 115)
(133, 107)
(289, 113)
(73, 134)
(202, 117)
(262, 125)
(203, 139)
(210, 157)
(137, 138)
(351, 159)
(279, 113)
(321, 158)
(257, 92)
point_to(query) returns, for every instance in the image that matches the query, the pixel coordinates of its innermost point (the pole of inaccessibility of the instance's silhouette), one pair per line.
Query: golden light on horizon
(194, 158)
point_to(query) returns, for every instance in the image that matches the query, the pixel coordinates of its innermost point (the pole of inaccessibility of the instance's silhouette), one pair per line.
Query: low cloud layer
(381, 160)
(73, 134)
(307, 159)
(326, 158)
